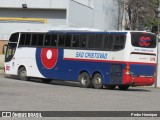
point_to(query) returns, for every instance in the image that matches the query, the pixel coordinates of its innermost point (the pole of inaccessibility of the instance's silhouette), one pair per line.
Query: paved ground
(16, 95)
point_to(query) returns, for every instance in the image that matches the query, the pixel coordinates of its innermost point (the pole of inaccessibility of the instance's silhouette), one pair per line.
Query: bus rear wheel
(22, 74)
(97, 81)
(84, 80)
(123, 87)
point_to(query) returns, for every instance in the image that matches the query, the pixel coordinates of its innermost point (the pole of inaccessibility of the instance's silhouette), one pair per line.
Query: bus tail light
(127, 69)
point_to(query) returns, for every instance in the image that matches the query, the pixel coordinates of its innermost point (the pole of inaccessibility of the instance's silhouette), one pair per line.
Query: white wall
(80, 15)
(106, 14)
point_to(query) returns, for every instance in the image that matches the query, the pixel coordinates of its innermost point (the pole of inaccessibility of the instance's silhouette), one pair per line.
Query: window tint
(14, 37)
(76, 41)
(22, 39)
(47, 40)
(83, 41)
(144, 40)
(54, 40)
(61, 41)
(68, 40)
(40, 39)
(91, 41)
(106, 42)
(34, 39)
(28, 39)
(98, 41)
(119, 42)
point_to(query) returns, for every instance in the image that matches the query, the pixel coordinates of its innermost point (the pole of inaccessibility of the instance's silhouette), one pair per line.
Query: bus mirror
(4, 49)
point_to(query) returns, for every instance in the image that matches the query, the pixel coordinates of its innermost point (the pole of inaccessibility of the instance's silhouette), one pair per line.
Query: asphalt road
(16, 95)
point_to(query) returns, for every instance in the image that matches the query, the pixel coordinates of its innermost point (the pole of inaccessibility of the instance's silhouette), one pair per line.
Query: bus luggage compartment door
(142, 65)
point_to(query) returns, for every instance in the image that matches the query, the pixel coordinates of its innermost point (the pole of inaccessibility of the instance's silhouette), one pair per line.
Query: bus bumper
(138, 81)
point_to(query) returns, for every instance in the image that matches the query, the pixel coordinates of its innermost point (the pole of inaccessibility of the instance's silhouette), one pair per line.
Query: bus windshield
(145, 40)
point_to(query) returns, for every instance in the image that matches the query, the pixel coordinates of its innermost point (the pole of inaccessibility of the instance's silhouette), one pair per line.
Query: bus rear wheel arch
(97, 81)
(84, 80)
(22, 73)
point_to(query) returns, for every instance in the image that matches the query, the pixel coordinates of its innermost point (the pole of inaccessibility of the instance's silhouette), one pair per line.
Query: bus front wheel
(97, 81)
(123, 87)
(84, 80)
(22, 74)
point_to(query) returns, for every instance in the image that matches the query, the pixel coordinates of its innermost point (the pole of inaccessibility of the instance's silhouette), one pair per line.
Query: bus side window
(98, 41)
(106, 42)
(83, 41)
(68, 40)
(61, 40)
(110, 42)
(28, 39)
(47, 40)
(75, 42)
(91, 41)
(34, 39)
(54, 40)
(119, 42)
(40, 39)
(22, 40)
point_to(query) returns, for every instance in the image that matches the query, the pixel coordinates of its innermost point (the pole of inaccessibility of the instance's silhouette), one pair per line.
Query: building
(43, 14)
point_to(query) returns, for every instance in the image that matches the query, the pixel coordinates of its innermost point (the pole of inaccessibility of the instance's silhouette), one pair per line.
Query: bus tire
(47, 81)
(22, 74)
(97, 81)
(123, 87)
(84, 80)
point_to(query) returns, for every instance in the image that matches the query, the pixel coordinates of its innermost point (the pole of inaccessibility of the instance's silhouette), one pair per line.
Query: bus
(94, 58)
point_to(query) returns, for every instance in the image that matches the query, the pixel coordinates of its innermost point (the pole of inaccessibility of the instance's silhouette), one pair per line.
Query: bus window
(98, 41)
(40, 39)
(68, 40)
(91, 41)
(61, 41)
(11, 48)
(28, 39)
(14, 37)
(34, 39)
(145, 40)
(107, 42)
(47, 40)
(22, 39)
(119, 42)
(83, 41)
(54, 40)
(75, 42)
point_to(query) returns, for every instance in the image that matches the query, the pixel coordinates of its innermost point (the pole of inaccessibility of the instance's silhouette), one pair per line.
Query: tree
(141, 12)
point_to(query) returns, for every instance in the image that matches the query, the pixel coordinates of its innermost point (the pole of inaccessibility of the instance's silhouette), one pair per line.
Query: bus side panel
(70, 69)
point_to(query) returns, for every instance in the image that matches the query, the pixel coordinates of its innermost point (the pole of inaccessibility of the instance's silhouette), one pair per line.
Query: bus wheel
(22, 74)
(97, 81)
(84, 80)
(47, 81)
(123, 87)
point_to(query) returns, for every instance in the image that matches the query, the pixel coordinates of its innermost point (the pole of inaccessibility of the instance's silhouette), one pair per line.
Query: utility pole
(157, 45)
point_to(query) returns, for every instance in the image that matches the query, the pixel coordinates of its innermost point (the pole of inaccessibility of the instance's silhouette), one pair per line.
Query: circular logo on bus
(49, 57)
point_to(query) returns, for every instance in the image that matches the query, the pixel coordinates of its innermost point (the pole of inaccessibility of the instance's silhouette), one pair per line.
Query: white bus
(93, 58)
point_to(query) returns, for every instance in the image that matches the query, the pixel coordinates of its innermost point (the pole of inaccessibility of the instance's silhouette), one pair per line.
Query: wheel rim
(98, 81)
(84, 80)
